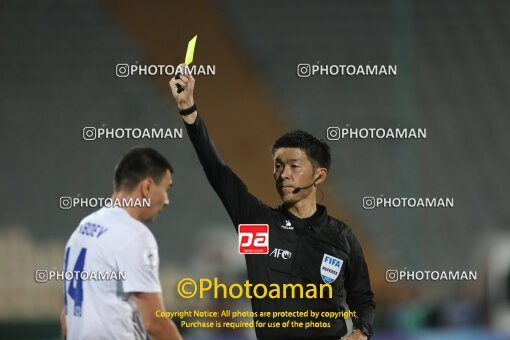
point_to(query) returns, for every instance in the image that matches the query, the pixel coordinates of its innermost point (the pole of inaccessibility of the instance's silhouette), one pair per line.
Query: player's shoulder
(116, 216)
(116, 225)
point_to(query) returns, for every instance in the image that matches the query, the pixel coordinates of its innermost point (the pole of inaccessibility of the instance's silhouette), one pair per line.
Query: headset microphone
(298, 189)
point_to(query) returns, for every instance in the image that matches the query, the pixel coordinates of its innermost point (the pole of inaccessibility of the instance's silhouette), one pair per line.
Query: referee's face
(292, 169)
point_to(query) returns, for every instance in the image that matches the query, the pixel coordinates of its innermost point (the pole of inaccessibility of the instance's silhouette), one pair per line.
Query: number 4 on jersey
(75, 291)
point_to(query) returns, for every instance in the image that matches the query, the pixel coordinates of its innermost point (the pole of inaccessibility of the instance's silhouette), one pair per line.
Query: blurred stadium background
(57, 75)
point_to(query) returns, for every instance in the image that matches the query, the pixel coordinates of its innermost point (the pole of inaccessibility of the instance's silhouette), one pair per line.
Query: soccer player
(116, 240)
(306, 245)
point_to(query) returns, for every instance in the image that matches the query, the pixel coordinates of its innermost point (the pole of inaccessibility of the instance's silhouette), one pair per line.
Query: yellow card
(191, 50)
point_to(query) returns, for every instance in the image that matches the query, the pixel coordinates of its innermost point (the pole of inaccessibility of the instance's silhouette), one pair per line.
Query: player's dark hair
(139, 163)
(316, 149)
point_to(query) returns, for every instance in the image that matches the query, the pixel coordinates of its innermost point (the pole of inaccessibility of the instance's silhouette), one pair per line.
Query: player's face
(159, 196)
(292, 169)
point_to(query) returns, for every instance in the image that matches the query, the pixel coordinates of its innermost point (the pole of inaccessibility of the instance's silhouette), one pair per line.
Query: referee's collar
(315, 221)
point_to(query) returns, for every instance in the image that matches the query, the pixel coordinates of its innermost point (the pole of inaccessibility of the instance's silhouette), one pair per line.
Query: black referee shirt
(306, 243)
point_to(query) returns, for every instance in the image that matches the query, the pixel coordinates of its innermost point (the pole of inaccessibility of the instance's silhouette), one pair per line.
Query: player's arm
(360, 297)
(139, 259)
(63, 325)
(158, 328)
(356, 335)
(240, 204)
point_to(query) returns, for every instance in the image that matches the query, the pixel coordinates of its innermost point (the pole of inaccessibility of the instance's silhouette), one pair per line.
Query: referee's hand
(187, 82)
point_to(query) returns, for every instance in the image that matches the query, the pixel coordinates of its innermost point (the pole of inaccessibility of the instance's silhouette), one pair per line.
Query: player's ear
(322, 173)
(145, 187)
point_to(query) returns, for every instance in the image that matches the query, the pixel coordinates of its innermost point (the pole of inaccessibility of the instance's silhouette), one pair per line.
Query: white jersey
(111, 243)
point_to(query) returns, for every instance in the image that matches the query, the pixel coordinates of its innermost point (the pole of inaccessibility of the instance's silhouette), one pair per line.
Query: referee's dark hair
(316, 150)
(139, 163)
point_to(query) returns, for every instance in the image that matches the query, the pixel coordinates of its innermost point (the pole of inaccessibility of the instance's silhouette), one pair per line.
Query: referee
(306, 245)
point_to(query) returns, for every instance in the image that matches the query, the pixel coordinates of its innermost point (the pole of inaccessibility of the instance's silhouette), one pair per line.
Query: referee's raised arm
(241, 206)
(182, 90)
